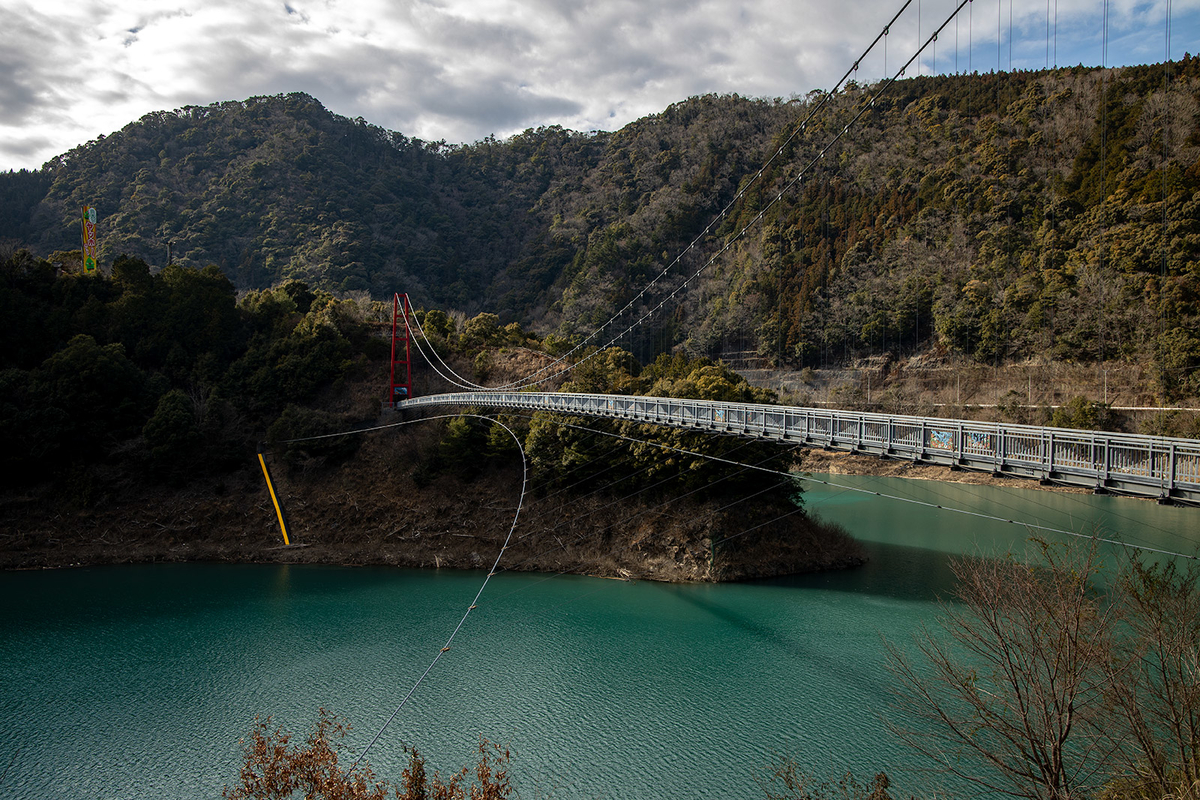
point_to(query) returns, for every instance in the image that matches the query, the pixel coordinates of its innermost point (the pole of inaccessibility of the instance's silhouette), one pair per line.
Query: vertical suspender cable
(1166, 134)
(999, 47)
(1103, 173)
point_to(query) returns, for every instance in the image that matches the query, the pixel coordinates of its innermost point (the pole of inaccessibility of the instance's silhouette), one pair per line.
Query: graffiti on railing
(941, 440)
(978, 442)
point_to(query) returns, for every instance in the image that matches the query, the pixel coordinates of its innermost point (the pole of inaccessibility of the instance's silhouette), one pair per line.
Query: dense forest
(993, 217)
(132, 406)
(171, 378)
(167, 375)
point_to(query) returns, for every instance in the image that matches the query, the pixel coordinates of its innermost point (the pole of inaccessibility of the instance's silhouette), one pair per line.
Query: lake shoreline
(341, 517)
(842, 463)
(360, 517)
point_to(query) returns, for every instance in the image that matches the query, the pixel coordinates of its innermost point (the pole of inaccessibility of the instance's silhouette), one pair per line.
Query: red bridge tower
(401, 352)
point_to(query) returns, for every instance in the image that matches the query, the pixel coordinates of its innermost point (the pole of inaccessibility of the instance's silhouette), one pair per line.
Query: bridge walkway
(1166, 469)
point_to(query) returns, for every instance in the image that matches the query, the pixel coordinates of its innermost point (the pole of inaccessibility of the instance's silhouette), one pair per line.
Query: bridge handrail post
(1001, 450)
(1171, 478)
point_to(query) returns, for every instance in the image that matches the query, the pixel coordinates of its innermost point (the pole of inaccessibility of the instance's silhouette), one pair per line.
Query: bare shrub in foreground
(1006, 699)
(1155, 687)
(276, 769)
(789, 781)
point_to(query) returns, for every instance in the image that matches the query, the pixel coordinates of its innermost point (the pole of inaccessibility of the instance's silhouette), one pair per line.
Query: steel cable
(779, 151)
(952, 509)
(475, 602)
(730, 242)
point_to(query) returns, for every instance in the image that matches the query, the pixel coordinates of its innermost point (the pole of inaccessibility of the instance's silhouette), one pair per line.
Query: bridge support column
(401, 381)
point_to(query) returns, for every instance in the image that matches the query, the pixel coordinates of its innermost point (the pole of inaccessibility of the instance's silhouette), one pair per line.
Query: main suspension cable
(731, 241)
(801, 127)
(475, 602)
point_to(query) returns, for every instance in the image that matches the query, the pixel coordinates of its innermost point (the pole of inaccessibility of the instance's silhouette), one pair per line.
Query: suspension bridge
(1165, 469)
(1162, 468)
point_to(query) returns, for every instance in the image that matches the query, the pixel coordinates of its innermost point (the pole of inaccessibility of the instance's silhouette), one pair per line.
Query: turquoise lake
(138, 681)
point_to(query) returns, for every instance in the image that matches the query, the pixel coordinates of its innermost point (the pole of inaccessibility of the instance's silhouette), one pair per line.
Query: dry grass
(1017, 393)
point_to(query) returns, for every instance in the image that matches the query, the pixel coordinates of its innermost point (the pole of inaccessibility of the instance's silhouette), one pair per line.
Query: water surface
(138, 681)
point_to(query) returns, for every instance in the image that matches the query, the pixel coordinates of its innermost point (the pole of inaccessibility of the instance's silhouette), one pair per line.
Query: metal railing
(1149, 466)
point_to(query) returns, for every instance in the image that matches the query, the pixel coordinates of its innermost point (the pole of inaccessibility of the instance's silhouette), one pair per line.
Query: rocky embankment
(839, 463)
(368, 510)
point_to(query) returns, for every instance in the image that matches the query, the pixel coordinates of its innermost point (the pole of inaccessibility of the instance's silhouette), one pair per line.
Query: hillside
(278, 188)
(996, 218)
(132, 407)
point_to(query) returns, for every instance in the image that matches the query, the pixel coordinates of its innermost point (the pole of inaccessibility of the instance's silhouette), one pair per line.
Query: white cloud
(462, 69)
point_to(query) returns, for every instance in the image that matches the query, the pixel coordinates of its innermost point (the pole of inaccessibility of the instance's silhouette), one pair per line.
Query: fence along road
(1163, 468)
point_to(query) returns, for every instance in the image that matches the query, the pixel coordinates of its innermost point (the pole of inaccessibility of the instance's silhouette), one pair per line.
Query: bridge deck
(1148, 466)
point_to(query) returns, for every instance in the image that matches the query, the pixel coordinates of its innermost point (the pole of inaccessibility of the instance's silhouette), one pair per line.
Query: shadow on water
(994, 520)
(781, 644)
(894, 571)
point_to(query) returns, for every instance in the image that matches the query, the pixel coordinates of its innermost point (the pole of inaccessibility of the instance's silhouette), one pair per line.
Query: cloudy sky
(459, 70)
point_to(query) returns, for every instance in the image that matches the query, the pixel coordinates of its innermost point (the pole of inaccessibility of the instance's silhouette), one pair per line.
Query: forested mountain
(1042, 228)
(277, 187)
(997, 216)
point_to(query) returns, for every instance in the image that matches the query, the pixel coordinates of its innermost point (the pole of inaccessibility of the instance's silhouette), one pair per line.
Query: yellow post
(274, 498)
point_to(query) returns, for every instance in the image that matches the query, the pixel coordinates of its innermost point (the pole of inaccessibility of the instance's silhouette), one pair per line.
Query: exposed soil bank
(839, 463)
(369, 511)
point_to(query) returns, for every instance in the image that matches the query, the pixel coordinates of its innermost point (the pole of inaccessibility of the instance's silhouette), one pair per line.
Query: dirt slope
(368, 510)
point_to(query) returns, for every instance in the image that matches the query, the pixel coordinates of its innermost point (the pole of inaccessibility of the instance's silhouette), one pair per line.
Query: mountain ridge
(995, 216)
